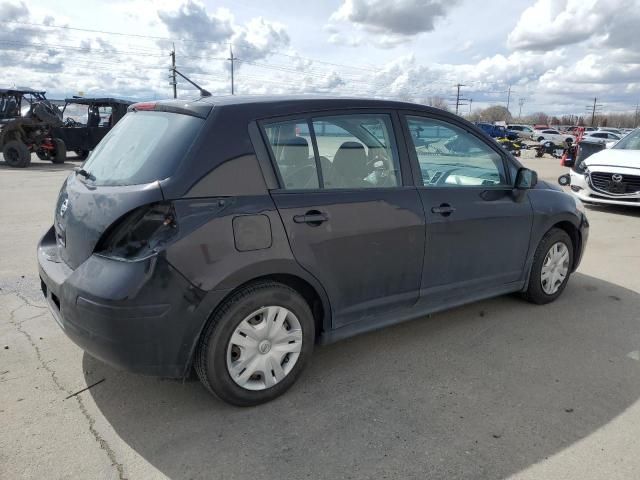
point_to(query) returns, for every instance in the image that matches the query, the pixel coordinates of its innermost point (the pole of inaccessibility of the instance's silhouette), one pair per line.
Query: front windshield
(630, 142)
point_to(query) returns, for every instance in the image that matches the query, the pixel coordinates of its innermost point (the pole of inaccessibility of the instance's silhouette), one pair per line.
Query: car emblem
(616, 177)
(64, 206)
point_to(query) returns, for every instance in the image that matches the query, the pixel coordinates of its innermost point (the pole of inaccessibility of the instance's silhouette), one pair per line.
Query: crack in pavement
(104, 445)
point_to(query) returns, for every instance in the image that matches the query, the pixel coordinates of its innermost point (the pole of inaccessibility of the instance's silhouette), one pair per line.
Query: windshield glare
(143, 147)
(630, 142)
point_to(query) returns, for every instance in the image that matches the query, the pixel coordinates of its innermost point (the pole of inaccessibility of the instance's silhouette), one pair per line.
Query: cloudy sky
(556, 55)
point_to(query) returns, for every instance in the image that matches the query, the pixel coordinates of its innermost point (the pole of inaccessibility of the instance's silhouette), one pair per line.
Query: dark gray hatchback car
(232, 234)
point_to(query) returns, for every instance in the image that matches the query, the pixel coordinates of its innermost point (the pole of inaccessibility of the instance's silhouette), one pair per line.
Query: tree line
(496, 113)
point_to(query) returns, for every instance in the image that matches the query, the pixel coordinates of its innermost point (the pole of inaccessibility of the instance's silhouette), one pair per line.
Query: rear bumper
(141, 316)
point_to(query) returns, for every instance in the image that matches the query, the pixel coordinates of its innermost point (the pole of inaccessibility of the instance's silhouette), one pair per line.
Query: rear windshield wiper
(84, 173)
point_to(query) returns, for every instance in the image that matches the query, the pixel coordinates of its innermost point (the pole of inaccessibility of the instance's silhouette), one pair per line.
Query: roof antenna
(203, 92)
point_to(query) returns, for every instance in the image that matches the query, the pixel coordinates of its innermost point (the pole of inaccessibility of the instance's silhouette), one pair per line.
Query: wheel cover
(555, 268)
(264, 348)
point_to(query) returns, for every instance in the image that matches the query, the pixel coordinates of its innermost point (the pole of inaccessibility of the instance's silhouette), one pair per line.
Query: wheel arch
(309, 288)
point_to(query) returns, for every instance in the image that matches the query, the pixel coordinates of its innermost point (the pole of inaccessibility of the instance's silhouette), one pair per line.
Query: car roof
(263, 106)
(97, 100)
(21, 90)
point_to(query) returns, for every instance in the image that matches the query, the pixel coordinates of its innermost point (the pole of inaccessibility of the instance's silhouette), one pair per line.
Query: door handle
(312, 217)
(444, 209)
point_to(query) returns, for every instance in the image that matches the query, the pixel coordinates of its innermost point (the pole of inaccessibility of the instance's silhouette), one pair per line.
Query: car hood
(615, 158)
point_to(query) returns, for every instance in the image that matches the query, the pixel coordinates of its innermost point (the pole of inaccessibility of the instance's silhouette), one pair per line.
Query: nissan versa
(230, 235)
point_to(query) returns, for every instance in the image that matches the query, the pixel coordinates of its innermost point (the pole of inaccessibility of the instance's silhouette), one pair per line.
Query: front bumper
(141, 316)
(581, 188)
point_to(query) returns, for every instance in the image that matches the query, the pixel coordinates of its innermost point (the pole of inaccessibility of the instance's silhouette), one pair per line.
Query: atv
(26, 117)
(93, 119)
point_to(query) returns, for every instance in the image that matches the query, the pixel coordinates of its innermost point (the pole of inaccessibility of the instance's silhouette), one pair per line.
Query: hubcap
(264, 348)
(554, 268)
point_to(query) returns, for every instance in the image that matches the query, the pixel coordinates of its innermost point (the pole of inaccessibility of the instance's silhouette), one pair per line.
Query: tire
(16, 154)
(60, 152)
(43, 154)
(82, 154)
(214, 356)
(537, 291)
(47, 114)
(540, 139)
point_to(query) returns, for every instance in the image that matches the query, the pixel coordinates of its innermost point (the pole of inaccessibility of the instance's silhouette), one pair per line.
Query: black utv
(94, 117)
(26, 118)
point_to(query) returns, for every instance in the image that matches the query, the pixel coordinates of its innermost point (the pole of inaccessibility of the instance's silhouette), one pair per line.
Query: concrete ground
(495, 389)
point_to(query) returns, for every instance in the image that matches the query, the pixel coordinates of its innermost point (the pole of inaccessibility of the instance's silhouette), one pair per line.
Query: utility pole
(636, 116)
(470, 102)
(508, 97)
(520, 103)
(173, 72)
(458, 96)
(595, 108)
(232, 59)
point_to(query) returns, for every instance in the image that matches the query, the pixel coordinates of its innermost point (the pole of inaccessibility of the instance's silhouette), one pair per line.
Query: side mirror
(526, 179)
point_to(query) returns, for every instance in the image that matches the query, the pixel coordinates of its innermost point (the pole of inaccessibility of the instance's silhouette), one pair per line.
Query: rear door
(477, 230)
(351, 219)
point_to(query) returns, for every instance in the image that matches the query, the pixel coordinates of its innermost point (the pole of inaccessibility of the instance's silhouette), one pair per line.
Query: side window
(291, 147)
(357, 151)
(451, 157)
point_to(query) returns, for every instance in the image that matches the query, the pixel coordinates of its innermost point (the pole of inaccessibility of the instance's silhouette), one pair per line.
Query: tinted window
(292, 150)
(142, 147)
(357, 151)
(451, 157)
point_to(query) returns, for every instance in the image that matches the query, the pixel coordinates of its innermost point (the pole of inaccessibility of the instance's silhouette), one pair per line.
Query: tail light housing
(140, 234)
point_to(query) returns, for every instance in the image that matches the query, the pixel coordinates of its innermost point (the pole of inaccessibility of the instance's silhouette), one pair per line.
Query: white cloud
(400, 17)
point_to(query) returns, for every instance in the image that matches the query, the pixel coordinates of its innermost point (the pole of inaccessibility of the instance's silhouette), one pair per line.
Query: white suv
(552, 135)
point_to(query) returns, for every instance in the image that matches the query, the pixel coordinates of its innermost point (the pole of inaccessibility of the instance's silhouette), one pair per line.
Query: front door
(350, 221)
(477, 229)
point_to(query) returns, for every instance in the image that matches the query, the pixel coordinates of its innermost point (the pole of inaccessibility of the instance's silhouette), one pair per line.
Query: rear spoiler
(195, 108)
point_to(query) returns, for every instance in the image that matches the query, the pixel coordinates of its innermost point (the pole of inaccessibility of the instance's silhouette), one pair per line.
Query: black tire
(16, 154)
(82, 154)
(43, 154)
(211, 354)
(540, 139)
(47, 114)
(535, 293)
(59, 154)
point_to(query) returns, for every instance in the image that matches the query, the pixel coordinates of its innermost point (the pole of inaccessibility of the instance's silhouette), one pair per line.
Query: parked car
(83, 137)
(497, 131)
(523, 132)
(608, 138)
(552, 135)
(232, 234)
(615, 131)
(611, 176)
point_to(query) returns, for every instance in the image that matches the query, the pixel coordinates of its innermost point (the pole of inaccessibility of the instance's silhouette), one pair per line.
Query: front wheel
(16, 154)
(59, 154)
(551, 267)
(256, 344)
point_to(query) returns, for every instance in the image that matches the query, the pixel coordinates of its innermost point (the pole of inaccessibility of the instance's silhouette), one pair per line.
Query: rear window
(143, 147)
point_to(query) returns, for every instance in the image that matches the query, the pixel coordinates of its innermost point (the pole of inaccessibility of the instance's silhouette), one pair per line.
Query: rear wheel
(551, 267)
(540, 139)
(16, 154)
(256, 344)
(59, 154)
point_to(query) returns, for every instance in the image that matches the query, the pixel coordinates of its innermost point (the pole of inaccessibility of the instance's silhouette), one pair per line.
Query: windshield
(142, 147)
(630, 142)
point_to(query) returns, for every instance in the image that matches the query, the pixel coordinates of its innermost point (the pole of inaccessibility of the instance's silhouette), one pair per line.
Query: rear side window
(143, 147)
(354, 152)
(291, 147)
